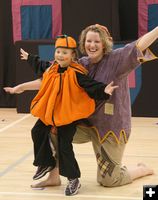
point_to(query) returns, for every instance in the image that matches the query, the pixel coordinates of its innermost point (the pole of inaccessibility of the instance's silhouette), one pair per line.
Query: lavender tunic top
(114, 117)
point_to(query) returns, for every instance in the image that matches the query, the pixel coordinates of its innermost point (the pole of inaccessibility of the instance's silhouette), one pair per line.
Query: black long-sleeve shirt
(93, 88)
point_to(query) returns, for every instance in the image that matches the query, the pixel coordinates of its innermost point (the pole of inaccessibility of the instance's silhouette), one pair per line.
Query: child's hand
(13, 90)
(24, 54)
(110, 88)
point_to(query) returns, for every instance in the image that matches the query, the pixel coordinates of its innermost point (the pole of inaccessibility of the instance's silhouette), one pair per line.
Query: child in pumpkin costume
(65, 96)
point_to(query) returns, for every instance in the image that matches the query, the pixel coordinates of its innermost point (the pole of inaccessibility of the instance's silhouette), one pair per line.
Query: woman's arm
(31, 85)
(146, 40)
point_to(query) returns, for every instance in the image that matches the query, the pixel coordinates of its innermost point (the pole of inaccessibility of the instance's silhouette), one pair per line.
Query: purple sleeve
(130, 57)
(127, 59)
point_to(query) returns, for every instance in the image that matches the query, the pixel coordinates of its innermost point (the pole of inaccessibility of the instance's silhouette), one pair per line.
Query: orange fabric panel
(64, 103)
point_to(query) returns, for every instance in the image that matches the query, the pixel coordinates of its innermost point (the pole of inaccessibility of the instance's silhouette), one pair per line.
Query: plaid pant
(109, 155)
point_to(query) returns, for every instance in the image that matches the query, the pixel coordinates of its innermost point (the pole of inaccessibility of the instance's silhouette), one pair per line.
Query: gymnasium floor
(16, 169)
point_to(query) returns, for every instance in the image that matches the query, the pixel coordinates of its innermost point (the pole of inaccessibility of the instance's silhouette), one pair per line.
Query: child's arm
(110, 88)
(96, 90)
(39, 66)
(24, 55)
(31, 85)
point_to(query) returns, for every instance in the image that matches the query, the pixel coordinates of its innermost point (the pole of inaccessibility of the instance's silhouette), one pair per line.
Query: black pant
(68, 166)
(42, 150)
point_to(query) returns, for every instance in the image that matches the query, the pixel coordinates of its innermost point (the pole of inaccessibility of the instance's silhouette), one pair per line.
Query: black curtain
(128, 17)
(78, 14)
(7, 54)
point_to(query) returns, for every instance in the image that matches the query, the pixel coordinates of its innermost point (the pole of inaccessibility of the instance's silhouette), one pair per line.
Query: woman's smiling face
(94, 46)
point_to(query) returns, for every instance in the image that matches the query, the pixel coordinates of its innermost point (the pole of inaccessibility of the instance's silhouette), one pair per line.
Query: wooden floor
(16, 169)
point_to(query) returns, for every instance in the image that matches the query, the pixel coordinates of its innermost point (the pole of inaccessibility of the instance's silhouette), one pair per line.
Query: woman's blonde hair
(104, 36)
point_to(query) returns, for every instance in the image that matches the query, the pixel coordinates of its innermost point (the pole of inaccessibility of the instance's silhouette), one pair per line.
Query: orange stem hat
(66, 42)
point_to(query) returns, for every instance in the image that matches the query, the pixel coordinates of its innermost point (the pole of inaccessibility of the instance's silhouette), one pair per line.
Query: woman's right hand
(24, 54)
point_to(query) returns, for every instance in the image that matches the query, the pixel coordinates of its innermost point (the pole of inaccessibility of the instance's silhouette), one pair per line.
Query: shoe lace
(72, 184)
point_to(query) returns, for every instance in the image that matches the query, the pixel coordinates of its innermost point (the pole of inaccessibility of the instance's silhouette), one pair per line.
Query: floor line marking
(12, 166)
(76, 196)
(14, 123)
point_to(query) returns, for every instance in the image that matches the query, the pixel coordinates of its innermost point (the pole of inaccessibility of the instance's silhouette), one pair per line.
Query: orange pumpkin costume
(60, 99)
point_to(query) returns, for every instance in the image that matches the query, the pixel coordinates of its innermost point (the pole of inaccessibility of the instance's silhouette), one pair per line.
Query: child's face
(63, 56)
